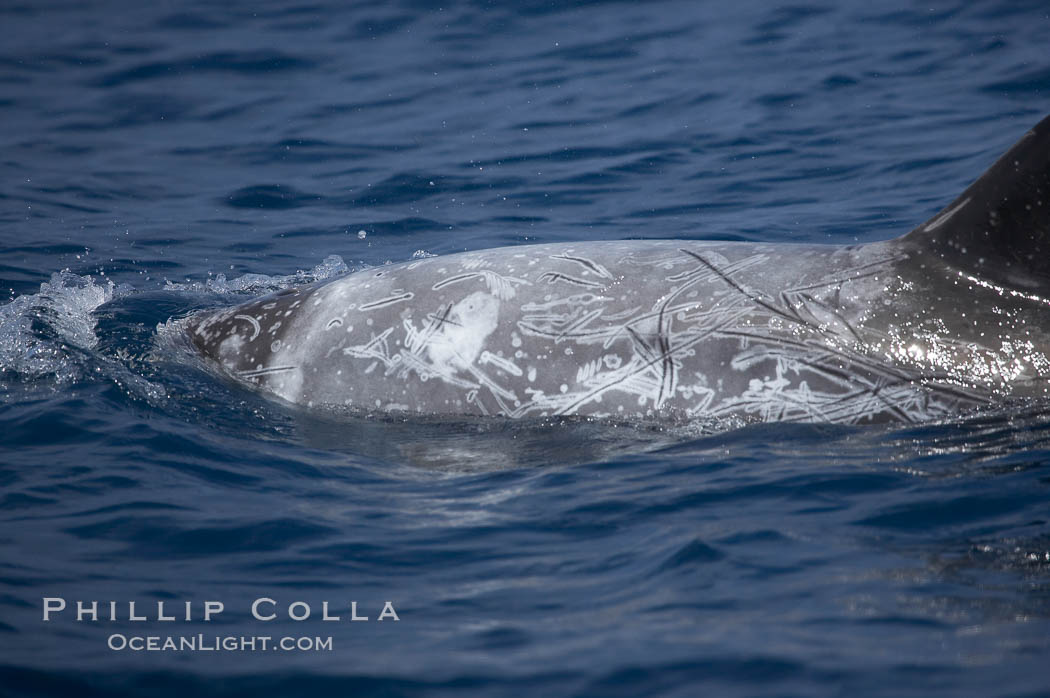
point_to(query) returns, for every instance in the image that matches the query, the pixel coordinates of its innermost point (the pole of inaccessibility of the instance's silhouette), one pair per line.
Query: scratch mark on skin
(624, 315)
(875, 392)
(640, 345)
(472, 398)
(554, 318)
(804, 346)
(838, 376)
(581, 299)
(497, 391)
(579, 324)
(876, 267)
(842, 321)
(444, 318)
(417, 341)
(265, 371)
(839, 408)
(669, 375)
(256, 329)
(369, 350)
(499, 362)
(731, 268)
(555, 276)
(818, 365)
(500, 286)
(593, 266)
(943, 218)
(390, 300)
(936, 381)
(632, 371)
(454, 280)
(610, 333)
(753, 297)
(668, 368)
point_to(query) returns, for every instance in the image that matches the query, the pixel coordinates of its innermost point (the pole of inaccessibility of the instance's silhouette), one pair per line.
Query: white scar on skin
(944, 217)
(256, 329)
(461, 337)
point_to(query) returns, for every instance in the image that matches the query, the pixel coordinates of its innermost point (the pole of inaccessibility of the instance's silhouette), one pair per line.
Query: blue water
(159, 158)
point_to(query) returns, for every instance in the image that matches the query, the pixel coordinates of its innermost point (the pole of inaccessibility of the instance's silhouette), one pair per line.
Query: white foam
(40, 332)
(333, 265)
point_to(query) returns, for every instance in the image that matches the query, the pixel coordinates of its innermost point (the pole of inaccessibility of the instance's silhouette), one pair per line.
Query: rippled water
(158, 159)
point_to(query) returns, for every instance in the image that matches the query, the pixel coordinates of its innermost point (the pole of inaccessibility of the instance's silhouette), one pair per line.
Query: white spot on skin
(230, 350)
(470, 322)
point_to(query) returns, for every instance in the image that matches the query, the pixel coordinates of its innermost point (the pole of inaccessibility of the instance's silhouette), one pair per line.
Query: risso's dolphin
(953, 315)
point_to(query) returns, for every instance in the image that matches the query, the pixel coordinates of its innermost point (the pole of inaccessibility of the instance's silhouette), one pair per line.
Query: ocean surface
(161, 158)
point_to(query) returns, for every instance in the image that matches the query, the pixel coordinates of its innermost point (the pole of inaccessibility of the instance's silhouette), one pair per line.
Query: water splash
(333, 265)
(51, 332)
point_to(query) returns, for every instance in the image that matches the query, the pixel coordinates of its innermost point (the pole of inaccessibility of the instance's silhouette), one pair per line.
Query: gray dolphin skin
(952, 316)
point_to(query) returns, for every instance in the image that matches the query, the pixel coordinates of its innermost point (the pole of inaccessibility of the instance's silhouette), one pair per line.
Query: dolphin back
(944, 319)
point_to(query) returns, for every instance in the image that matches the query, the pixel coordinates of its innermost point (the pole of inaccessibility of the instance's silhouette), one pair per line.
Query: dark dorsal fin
(999, 228)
